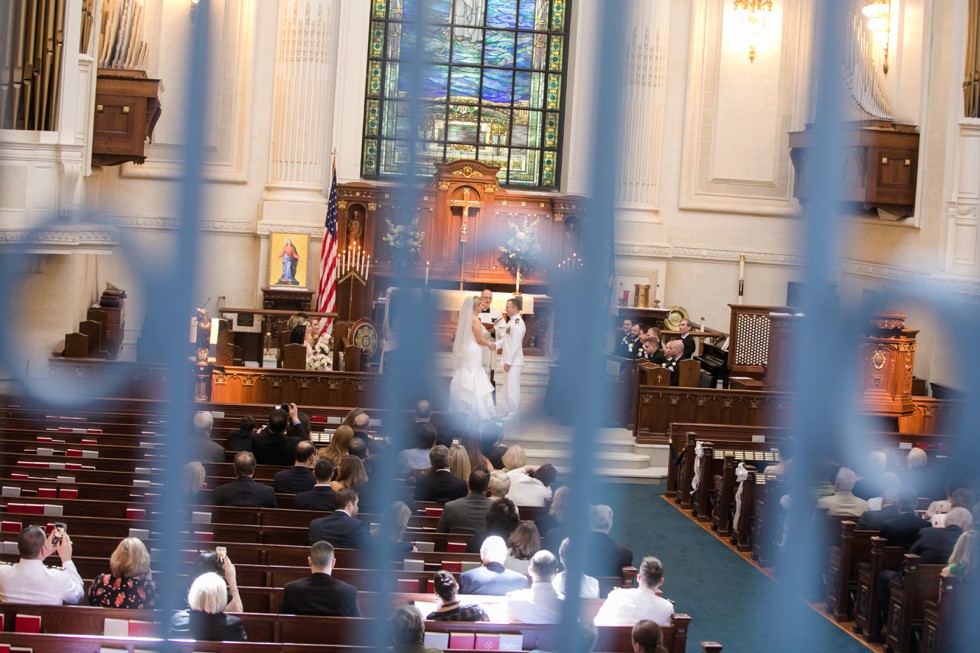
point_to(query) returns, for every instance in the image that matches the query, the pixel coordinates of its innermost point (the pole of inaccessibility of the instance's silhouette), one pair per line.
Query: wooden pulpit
(887, 360)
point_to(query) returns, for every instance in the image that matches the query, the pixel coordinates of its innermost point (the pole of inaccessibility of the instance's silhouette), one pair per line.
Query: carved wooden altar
(887, 359)
(461, 193)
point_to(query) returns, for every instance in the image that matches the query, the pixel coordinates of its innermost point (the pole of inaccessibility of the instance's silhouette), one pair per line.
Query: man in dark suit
(607, 557)
(299, 477)
(274, 446)
(468, 514)
(342, 528)
(687, 339)
(439, 485)
(673, 351)
(320, 593)
(241, 440)
(933, 545)
(244, 491)
(321, 496)
(652, 352)
(903, 529)
(873, 520)
(492, 578)
(206, 450)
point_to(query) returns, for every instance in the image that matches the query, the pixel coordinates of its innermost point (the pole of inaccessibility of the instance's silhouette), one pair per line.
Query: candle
(193, 329)
(343, 257)
(367, 270)
(741, 267)
(214, 331)
(427, 274)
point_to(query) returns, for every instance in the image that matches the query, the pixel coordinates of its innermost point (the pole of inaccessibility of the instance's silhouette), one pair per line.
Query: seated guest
(843, 503)
(130, 585)
(206, 620)
(540, 603)
(211, 562)
(30, 582)
(273, 445)
(872, 484)
(320, 593)
(490, 444)
(623, 348)
(652, 351)
(525, 489)
(522, 544)
(607, 557)
(934, 545)
(320, 496)
(627, 606)
(921, 479)
(962, 498)
(942, 506)
(439, 484)
(342, 528)
(554, 526)
(471, 443)
(408, 631)
(244, 491)
(299, 477)
(872, 520)
(502, 519)
(891, 483)
(339, 445)
(492, 578)
(391, 530)
(241, 440)
(360, 422)
(417, 458)
(450, 608)
(205, 449)
(350, 474)
(903, 529)
(469, 514)
(963, 559)
(647, 637)
(499, 484)
(459, 462)
(589, 588)
(194, 483)
(686, 339)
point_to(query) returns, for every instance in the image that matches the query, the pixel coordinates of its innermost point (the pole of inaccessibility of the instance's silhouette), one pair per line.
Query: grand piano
(714, 361)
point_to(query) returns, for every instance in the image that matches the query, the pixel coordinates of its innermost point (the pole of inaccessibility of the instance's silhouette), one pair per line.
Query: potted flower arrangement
(322, 356)
(520, 253)
(404, 242)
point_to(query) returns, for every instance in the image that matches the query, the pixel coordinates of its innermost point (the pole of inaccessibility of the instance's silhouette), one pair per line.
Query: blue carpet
(723, 593)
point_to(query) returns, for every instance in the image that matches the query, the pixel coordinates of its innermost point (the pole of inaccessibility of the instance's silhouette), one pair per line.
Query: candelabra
(353, 264)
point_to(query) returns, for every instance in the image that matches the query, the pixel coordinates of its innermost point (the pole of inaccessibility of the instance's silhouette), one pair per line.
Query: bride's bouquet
(322, 356)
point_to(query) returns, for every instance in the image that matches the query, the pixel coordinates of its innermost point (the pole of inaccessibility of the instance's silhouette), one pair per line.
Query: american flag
(327, 300)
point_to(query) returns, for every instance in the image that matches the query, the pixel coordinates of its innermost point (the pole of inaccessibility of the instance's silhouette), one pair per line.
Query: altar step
(617, 458)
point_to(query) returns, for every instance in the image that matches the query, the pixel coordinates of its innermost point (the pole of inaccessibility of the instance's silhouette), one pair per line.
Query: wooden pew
(941, 618)
(854, 548)
(906, 604)
(866, 620)
(61, 643)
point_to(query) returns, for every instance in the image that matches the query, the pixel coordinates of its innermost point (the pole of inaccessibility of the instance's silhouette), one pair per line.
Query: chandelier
(753, 15)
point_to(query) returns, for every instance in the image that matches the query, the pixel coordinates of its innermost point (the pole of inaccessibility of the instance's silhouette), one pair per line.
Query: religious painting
(287, 260)
(355, 226)
(492, 87)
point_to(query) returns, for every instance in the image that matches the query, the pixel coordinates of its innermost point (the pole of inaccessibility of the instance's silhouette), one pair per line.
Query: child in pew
(408, 631)
(130, 583)
(647, 637)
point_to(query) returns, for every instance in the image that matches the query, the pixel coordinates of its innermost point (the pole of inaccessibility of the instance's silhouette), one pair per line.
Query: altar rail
(303, 387)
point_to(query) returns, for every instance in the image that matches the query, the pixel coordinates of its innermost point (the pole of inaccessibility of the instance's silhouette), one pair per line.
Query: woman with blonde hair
(459, 462)
(339, 445)
(130, 585)
(194, 482)
(394, 522)
(350, 473)
(963, 559)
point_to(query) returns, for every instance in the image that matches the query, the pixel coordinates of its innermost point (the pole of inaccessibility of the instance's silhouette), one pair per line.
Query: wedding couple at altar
(471, 391)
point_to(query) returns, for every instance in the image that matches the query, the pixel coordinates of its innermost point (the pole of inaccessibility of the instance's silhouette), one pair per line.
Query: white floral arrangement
(404, 240)
(522, 248)
(322, 356)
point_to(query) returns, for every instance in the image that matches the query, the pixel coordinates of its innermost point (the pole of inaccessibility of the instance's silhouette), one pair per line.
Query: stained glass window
(492, 86)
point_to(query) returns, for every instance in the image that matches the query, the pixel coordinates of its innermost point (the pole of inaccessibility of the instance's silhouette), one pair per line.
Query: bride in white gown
(471, 391)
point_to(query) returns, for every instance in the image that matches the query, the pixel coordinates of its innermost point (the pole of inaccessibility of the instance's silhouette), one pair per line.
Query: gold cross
(466, 204)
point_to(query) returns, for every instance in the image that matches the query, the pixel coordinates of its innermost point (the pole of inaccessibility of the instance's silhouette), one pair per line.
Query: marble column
(963, 223)
(299, 154)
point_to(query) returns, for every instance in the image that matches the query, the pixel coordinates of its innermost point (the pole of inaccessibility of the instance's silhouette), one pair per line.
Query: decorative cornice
(708, 254)
(167, 223)
(62, 238)
(950, 283)
(654, 251)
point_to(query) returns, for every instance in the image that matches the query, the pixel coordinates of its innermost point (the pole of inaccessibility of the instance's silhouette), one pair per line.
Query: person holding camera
(274, 445)
(30, 582)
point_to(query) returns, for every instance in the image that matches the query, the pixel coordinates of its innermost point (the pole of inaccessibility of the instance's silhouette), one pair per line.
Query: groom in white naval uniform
(511, 343)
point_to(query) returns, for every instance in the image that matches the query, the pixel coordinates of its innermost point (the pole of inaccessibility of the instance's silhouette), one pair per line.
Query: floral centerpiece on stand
(404, 241)
(520, 253)
(322, 356)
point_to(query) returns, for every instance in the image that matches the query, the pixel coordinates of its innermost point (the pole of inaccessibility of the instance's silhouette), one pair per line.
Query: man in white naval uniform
(511, 343)
(489, 316)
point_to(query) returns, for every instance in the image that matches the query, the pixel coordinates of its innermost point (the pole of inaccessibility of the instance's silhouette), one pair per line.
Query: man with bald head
(673, 352)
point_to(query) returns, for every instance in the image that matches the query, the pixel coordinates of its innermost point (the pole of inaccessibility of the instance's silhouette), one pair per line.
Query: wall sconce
(878, 13)
(753, 15)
